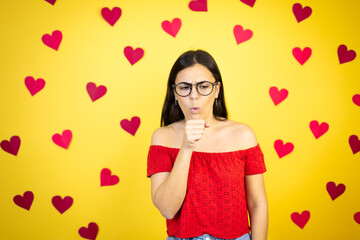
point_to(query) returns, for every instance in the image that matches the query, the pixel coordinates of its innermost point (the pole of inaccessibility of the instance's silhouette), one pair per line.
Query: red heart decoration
(301, 55)
(106, 179)
(198, 5)
(11, 146)
(24, 201)
(335, 191)
(354, 143)
(345, 55)
(172, 27)
(52, 2)
(34, 86)
(249, 2)
(300, 219)
(278, 96)
(63, 140)
(283, 149)
(130, 126)
(356, 99)
(62, 204)
(95, 92)
(133, 55)
(111, 16)
(357, 217)
(300, 12)
(53, 41)
(90, 232)
(318, 130)
(242, 35)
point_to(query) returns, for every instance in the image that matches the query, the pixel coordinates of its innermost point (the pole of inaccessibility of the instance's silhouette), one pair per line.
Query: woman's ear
(174, 94)
(217, 89)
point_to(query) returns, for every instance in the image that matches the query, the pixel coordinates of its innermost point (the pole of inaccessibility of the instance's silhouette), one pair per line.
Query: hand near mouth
(194, 130)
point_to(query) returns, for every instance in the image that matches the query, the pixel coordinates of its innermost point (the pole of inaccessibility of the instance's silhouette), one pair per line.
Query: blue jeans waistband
(246, 236)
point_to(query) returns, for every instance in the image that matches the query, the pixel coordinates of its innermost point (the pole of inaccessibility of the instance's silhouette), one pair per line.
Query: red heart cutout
(301, 55)
(52, 2)
(198, 5)
(356, 99)
(249, 2)
(53, 41)
(354, 143)
(300, 219)
(357, 217)
(34, 86)
(173, 27)
(300, 12)
(345, 55)
(278, 96)
(24, 201)
(242, 35)
(111, 16)
(11, 147)
(130, 126)
(335, 191)
(62, 204)
(63, 140)
(318, 130)
(90, 232)
(283, 149)
(106, 179)
(95, 92)
(133, 55)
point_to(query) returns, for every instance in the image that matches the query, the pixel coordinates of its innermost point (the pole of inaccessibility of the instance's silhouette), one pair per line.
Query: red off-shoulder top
(215, 201)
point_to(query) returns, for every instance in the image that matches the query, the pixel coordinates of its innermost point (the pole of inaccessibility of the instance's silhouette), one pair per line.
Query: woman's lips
(195, 110)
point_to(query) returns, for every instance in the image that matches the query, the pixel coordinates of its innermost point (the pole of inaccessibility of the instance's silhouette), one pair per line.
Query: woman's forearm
(259, 221)
(170, 195)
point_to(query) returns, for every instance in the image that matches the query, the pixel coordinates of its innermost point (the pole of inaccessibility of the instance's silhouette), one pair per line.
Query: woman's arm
(168, 189)
(257, 206)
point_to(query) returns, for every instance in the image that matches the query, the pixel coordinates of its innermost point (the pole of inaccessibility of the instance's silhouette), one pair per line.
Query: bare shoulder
(165, 136)
(241, 133)
(158, 136)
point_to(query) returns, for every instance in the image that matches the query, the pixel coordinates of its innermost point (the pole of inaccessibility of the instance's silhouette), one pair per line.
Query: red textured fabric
(215, 202)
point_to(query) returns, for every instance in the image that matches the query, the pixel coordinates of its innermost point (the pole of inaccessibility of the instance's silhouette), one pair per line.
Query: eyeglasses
(184, 89)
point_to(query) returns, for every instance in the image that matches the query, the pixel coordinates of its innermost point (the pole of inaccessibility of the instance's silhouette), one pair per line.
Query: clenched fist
(194, 130)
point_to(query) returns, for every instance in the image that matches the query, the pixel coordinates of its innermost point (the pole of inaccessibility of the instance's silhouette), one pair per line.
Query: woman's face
(195, 105)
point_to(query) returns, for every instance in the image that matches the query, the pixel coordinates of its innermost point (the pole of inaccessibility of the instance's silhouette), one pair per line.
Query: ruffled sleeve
(158, 160)
(254, 163)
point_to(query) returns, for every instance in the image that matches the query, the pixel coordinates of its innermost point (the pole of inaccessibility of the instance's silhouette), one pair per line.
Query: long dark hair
(172, 113)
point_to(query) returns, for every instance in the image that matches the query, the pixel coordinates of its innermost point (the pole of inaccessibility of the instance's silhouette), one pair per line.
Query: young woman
(206, 171)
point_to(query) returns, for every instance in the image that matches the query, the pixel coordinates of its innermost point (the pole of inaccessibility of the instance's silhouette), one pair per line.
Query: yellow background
(92, 51)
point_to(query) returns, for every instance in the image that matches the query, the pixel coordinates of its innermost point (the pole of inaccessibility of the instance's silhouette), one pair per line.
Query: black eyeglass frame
(196, 86)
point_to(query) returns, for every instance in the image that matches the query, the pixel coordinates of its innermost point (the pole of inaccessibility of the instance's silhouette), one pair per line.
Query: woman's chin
(195, 116)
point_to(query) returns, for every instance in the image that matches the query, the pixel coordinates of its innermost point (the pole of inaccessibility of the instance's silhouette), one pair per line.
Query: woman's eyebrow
(195, 82)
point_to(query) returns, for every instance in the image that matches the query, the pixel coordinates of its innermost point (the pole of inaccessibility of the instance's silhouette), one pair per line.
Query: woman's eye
(204, 86)
(184, 88)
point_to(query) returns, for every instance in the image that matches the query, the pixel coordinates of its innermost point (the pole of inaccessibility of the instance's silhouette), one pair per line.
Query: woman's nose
(194, 93)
